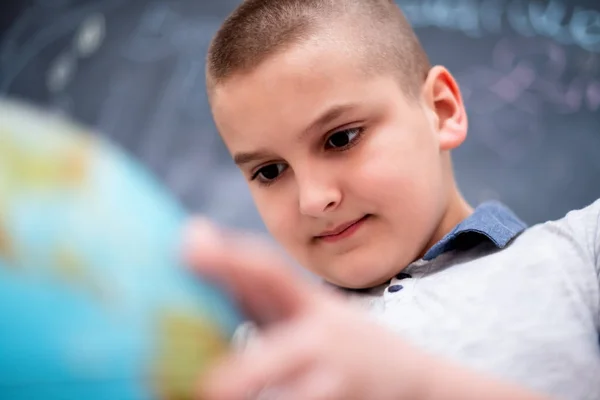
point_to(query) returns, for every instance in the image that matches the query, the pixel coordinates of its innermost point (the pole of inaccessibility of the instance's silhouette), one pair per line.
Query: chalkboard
(134, 70)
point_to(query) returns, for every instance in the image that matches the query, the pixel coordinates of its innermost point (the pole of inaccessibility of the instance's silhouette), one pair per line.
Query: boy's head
(333, 113)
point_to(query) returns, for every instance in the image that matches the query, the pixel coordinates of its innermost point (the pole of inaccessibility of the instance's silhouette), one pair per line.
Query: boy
(344, 131)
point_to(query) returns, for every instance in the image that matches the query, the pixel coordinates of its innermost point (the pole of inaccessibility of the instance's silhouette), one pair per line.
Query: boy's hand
(314, 345)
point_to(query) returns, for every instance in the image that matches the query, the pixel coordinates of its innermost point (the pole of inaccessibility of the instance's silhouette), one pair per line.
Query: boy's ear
(442, 97)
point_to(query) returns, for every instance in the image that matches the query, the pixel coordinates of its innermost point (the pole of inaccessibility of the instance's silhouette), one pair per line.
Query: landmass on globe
(94, 302)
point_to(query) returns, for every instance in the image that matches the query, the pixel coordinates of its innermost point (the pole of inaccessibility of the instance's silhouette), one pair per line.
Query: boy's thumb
(248, 269)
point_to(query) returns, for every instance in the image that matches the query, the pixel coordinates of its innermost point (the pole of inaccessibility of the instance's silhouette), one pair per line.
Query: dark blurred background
(134, 70)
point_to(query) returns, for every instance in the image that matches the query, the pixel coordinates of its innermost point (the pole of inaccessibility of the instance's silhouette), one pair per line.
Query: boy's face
(349, 175)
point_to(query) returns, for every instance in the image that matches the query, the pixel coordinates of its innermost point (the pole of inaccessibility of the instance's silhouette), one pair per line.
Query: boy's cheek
(411, 210)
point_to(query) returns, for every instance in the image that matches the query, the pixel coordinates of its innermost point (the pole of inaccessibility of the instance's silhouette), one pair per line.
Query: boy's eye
(343, 138)
(340, 140)
(270, 172)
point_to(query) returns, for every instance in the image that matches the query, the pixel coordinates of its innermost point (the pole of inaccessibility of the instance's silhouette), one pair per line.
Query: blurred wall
(134, 70)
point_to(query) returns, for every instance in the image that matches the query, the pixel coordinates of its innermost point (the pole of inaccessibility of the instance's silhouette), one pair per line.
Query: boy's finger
(267, 365)
(249, 269)
(318, 384)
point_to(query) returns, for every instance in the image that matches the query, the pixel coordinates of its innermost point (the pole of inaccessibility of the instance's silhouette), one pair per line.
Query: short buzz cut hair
(378, 32)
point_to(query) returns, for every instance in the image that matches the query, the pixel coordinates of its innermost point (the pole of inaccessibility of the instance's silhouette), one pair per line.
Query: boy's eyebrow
(329, 115)
(245, 158)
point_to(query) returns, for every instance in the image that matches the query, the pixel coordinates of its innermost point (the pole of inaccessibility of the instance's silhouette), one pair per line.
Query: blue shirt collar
(490, 221)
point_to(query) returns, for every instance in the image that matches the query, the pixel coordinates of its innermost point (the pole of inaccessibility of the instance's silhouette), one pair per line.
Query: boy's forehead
(314, 71)
(305, 86)
(244, 113)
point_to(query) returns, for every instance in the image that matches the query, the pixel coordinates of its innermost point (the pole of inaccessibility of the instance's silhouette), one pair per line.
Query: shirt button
(403, 275)
(395, 288)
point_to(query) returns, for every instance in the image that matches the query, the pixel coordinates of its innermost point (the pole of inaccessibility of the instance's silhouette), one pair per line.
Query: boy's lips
(342, 231)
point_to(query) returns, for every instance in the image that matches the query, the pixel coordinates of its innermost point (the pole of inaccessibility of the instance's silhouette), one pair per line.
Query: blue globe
(94, 304)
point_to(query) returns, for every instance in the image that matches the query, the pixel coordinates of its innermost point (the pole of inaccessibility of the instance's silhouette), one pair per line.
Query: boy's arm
(450, 382)
(313, 345)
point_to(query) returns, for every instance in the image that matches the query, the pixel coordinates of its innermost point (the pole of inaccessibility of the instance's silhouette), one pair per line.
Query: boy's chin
(374, 262)
(359, 275)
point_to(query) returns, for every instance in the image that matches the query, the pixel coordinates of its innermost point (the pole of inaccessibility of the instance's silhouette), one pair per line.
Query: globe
(94, 303)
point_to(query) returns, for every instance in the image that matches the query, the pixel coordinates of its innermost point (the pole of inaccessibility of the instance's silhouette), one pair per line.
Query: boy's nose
(317, 196)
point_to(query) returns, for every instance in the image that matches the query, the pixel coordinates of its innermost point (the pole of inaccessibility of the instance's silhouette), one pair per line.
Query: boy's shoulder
(576, 236)
(583, 223)
(592, 209)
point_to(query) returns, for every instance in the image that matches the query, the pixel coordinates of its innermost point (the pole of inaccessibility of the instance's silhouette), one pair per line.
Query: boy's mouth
(342, 231)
